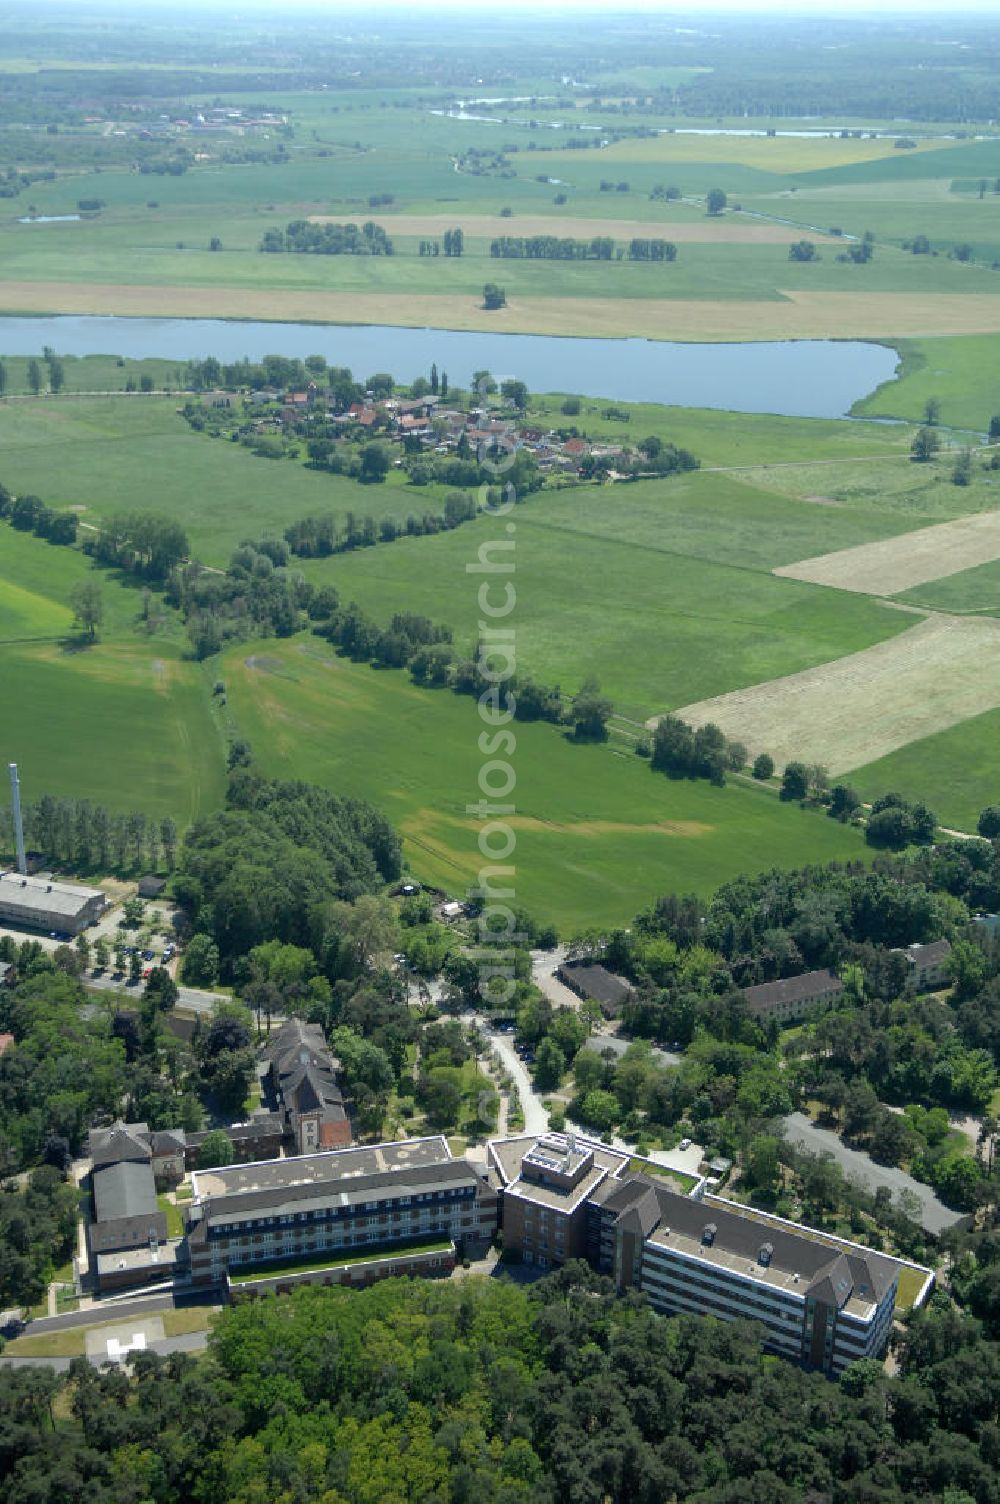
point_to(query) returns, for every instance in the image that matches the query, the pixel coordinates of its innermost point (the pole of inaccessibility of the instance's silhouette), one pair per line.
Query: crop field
(125, 722)
(781, 315)
(862, 707)
(896, 564)
(597, 832)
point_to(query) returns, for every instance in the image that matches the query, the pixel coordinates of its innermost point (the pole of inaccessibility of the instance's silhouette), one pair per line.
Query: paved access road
(934, 1215)
(191, 998)
(536, 1119)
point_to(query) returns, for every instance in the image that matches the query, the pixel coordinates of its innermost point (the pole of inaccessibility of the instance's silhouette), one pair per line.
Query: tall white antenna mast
(15, 800)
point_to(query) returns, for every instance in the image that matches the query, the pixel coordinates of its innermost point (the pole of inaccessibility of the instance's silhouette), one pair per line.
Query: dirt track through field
(900, 563)
(858, 708)
(799, 315)
(736, 231)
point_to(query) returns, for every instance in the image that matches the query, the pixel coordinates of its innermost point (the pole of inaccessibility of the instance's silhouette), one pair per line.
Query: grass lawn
(962, 372)
(178, 1322)
(598, 834)
(975, 590)
(175, 1222)
(335, 1260)
(649, 1167)
(911, 1282)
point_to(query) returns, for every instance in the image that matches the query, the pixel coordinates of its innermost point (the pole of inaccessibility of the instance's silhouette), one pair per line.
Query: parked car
(685, 1143)
(149, 955)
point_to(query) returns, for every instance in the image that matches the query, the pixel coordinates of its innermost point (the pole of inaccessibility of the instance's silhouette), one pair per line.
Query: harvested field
(800, 315)
(717, 231)
(900, 563)
(856, 709)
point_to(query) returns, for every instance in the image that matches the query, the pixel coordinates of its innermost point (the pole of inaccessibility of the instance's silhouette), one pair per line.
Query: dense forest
(483, 1392)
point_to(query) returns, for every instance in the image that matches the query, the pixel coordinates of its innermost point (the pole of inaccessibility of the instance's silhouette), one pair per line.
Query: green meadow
(598, 833)
(145, 251)
(961, 372)
(125, 722)
(661, 589)
(108, 455)
(955, 772)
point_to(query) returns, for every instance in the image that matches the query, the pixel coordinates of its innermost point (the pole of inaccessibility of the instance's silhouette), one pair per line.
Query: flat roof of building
(554, 1197)
(43, 896)
(164, 1257)
(320, 1169)
(509, 1152)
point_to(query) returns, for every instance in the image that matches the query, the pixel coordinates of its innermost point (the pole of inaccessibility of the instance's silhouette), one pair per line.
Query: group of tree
(140, 543)
(276, 862)
(305, 237)
(37, 1229)
(29, 514)
(891, 822)
(682, 751)
(255, 597)
(567, 248)
(63, 1070)
(282, 372)
(318, 537)
(487, 1390)
(85, 835)
(427, 650)
(894, 822)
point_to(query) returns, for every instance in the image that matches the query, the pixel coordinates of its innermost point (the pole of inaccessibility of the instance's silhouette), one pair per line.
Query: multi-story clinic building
(821, 1302)
(340, 1205)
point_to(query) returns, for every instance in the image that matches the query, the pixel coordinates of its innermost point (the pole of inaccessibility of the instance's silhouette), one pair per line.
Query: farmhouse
(595, 984)
(793, 996)
(33, 903)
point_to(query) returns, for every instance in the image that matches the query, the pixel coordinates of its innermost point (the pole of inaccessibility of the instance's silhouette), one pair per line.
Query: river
(795, 378)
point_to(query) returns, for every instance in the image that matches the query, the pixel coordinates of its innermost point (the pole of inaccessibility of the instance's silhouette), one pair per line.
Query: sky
(351, 12)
